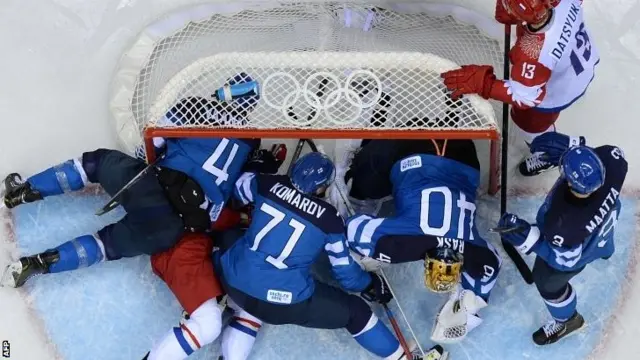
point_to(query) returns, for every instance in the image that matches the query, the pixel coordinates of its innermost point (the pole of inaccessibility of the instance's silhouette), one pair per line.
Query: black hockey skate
(554, 331)
(534, 165)
(17, 191)
(17, 273)
(435, 353)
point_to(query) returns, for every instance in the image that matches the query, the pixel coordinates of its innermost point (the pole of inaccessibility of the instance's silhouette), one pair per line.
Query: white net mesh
(318, 66)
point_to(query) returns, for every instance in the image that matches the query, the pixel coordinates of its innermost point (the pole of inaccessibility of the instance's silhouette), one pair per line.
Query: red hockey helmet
(529, 11)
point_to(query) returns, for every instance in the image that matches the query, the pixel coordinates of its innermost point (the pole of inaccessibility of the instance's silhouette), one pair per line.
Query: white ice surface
(59, 56)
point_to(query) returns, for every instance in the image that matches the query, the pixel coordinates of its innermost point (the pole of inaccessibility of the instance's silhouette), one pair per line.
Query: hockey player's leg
(561, 301)
(532, 123)
(240, 335)
(65, 177)
(201, 328)
(84, 251)
(187, 270)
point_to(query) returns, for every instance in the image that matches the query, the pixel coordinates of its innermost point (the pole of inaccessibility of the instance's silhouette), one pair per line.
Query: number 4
(209, 165)
(528, 71)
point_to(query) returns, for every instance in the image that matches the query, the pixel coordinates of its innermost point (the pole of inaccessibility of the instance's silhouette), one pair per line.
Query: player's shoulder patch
(412, 162)
(528, 47)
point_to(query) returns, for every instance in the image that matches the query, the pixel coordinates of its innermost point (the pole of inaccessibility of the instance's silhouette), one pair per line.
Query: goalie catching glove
(457, 317)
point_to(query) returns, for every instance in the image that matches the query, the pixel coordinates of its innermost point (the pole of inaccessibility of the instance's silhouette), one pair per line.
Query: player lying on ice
(187, 269)
(185, 192)
(553, 62)
(266, 270)
(434, 188)
(574, 226)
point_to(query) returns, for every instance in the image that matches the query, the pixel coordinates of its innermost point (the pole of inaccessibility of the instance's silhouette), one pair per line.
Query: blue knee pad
(78, 253)
(564, 308)
(371, 333)
(62, 178)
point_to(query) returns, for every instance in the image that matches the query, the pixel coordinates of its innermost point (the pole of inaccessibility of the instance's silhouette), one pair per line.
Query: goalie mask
(442, 269)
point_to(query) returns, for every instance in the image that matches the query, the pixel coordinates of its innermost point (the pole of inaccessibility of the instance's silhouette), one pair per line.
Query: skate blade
(8, 279)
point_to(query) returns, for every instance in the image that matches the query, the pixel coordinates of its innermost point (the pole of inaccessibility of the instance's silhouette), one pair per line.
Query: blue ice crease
(117, 310)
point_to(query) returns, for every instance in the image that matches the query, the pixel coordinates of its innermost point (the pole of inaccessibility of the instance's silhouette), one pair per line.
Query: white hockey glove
(457, 317)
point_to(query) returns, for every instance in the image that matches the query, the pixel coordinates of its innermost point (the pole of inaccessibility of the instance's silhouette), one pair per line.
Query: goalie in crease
(433, 185)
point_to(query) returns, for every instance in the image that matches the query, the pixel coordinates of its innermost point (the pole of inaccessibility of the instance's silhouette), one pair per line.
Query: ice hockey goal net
(324, 70)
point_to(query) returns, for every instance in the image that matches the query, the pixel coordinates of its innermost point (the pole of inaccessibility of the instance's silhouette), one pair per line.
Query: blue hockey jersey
(214, 163)
(288, 231)
(433, 196)
(572, 232)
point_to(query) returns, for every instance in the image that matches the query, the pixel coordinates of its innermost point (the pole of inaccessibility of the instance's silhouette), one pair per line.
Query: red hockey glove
(470, 79)
(503, 16)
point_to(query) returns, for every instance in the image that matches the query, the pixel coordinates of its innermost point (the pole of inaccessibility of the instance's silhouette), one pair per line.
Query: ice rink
(56, 69)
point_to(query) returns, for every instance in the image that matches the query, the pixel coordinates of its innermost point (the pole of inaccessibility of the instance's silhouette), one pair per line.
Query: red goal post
(324, 70)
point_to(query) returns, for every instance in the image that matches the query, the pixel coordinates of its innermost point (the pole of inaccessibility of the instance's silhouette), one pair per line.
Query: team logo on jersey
(410, 163)
(279, 297)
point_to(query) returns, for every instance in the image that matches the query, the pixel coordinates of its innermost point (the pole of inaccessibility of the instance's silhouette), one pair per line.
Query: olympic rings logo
(315, 102)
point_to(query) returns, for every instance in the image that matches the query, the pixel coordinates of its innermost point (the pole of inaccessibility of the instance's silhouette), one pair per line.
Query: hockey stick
(506, 230)
(511, 251)
(384, 276)
(114, 202)
(396, 329)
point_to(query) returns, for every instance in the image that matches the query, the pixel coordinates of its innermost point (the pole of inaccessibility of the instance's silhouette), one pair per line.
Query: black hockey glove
(267, 161)
(554, 144)
(378, 290)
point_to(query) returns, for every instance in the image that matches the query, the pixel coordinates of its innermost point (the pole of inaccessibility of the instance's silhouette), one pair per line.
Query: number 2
(278, 216)
(463, 205)
(209, 165)
(582, 40)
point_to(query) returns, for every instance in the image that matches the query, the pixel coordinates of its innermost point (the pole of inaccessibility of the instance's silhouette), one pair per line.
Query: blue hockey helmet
(311, 172)
(582, 169)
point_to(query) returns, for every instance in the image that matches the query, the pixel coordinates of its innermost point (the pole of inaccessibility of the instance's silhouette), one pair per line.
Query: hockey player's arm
(531, 239)
(527, 86)
(348, 273)
(245, 188)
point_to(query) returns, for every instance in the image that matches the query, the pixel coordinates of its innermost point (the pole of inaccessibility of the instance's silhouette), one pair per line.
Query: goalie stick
(511, 251)
(114, 202)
